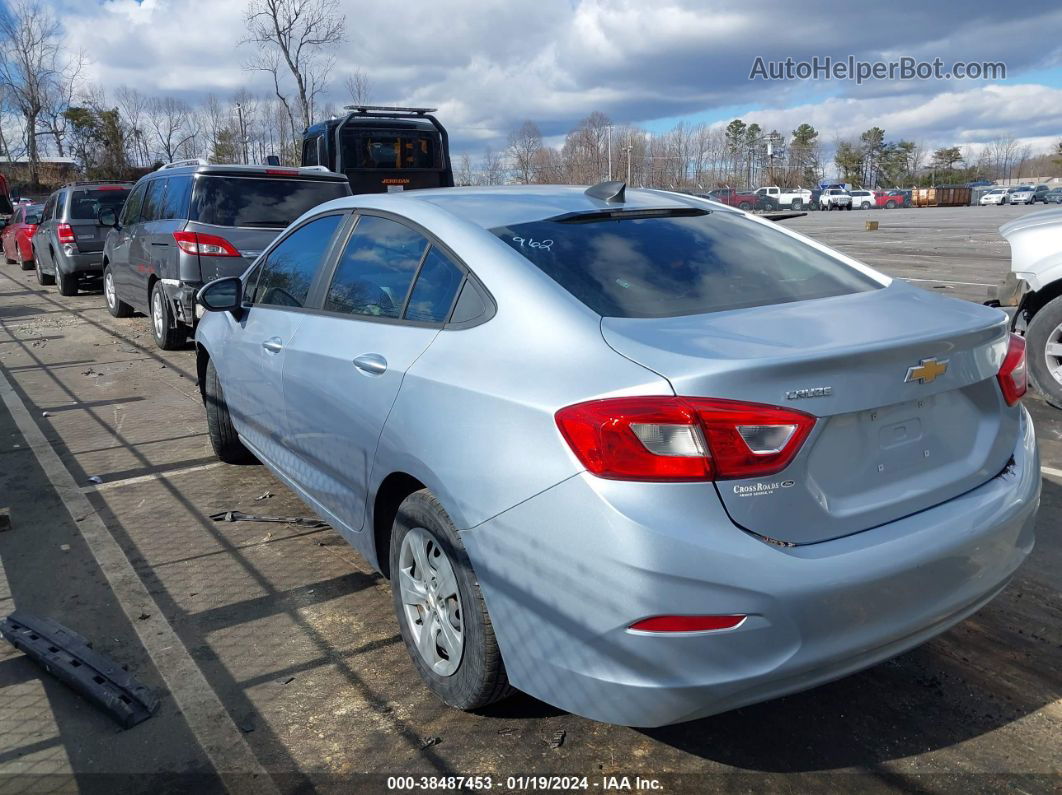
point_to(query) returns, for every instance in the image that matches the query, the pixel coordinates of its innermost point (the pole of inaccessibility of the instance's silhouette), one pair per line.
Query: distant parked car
(1023, 194)
(18, 233)
(190, 223)
(863, 199)
(995, 196)
(743, 200)
(891, 199)
(835, 199)
(1039, 192)
(68, 244)
(791, 199)
(1053, 196)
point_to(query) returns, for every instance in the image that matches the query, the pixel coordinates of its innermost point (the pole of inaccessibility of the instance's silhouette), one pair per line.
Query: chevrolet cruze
(640, 455)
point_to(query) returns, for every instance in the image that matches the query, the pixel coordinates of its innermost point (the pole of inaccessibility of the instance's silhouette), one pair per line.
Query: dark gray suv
(68, 243)
(190, 223)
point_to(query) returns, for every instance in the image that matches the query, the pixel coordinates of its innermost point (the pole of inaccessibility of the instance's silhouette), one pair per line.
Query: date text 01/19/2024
(523, 783)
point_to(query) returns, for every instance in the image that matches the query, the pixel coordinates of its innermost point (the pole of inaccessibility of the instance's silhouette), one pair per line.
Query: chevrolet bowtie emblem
(927, 370)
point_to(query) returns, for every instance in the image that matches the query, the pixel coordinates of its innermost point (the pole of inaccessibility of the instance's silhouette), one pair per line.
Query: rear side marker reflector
(687, 623)
(1013, 376)
(682, 438)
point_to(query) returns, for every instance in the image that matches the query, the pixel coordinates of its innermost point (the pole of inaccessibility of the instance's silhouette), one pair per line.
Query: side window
(153, 201)
(435, 289)
(289, 268)
(178, 192)
(131, 210)
(309, 152)
(376, 269)
(49, 209)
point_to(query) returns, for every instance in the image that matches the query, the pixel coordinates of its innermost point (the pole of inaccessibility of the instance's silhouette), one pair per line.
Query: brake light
(1013, 376)
(682, 438)
(65, 233)
(206, 245)
(282, 172)
(687, 623)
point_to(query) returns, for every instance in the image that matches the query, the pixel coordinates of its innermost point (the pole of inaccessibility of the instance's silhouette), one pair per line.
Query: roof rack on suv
(98, 182)
(388, 109)
(189, 161)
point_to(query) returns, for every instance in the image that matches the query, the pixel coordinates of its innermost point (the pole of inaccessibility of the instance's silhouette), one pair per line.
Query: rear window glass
(86, 204)
(669, 266)
(265, 202)
(388, 149)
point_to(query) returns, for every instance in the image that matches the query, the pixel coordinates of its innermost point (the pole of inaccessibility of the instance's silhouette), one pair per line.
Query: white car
(1023, 194)
(795, 199)
(994, 196)
(835, 199)
(1034, 289)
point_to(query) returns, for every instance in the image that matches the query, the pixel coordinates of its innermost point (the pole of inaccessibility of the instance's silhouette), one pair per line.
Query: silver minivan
(190, 223)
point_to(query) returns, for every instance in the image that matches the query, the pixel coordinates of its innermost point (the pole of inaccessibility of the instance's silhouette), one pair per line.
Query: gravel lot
(303, 679)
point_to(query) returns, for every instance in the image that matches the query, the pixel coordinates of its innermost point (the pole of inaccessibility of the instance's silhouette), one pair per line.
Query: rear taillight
(682, 438)
(206, 245)
(687, 623)
(1013, 377)
(65, 233)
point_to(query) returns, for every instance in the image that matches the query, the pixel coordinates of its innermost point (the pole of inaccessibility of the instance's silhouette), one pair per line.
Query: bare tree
(524, 143)
(359, 87)
(133, 107)
(465, 175)
(174, 125)
(492, 167)
(295, 35)
(30, 64)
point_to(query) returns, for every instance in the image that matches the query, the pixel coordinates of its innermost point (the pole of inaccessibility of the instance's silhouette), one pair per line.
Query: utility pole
(243, 133)
(628, 158)
(610, 153)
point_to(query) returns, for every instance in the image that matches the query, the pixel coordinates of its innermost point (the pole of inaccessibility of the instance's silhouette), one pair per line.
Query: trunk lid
(883, 446)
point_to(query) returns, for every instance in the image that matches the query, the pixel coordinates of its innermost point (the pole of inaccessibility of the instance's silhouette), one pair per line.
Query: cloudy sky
(488, 64)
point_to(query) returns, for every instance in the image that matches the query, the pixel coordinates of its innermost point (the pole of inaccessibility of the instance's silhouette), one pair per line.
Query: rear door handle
(273, 345)
(371, 363)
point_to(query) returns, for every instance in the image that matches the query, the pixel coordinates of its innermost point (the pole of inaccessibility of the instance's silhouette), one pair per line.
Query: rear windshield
(668, 266)
(86, 204)
(389, 149)
(265, 202)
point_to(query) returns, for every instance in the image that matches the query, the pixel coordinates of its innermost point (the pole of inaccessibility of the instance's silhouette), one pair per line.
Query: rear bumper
(566, 572)
(82, 262)
(181, 295)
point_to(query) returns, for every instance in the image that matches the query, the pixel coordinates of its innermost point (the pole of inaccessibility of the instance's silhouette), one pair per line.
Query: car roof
(246, 170)
(489, 207)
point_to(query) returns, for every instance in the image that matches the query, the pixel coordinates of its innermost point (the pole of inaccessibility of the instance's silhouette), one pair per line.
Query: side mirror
(222, 295)
(108, 217)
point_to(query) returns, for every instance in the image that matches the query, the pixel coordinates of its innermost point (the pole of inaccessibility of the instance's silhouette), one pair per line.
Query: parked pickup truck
(735, 198)
(835, 199)
(793, 199)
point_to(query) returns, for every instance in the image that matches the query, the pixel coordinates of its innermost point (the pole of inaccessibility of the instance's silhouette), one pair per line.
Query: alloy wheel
(1053, 353)
(431, 601)
(108, 290)
(158, 320)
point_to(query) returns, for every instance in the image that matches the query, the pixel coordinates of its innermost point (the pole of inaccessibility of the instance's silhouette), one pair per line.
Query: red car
(16, 235)
(743, 200)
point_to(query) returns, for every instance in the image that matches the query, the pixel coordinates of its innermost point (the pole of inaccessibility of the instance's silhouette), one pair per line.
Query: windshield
(85, 205)
(389, 149)
(265, 202)
(668, 266)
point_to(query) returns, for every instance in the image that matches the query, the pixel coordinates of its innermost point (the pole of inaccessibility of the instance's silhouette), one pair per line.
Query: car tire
(890, 205)
(849, 207)
(1045, 328)
(744, 206)
(223, 437)
(797, 205)
(42, 277)
(451, 596)
(67, 281)
(115, 305)
(865, 205)
(168, 334)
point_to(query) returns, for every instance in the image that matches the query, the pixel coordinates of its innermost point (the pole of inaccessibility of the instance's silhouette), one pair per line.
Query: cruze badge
(816, 391)
(926, 371)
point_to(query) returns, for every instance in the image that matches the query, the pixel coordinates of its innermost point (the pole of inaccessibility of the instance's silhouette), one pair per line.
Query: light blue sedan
(643, 456)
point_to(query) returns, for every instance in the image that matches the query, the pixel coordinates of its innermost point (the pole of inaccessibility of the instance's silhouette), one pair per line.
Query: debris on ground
(507, 731)
(64, 547)
(247, 724)
(237, 516)
(143, 616)
(95, 479)
(264, 496)
(557, 740)
(287, 681)
(69, 657)
(45, 414)
(428, 742)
